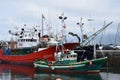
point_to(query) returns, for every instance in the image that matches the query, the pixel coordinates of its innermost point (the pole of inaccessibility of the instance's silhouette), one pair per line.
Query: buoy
(35, 65)
(52, 67)
(71, 66)
(90, 63)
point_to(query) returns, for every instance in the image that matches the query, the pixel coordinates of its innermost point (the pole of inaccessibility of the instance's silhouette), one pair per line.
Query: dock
(109, 52)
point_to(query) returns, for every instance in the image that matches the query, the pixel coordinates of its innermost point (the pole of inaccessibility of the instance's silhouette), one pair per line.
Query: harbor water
(109, 71)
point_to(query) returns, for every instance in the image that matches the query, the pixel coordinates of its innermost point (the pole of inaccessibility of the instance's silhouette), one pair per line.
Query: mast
(63, 18)
(42, 25)
(94, 46)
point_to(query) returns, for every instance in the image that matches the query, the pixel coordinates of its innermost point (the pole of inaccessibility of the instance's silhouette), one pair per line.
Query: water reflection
(11, 72)
(20, 72)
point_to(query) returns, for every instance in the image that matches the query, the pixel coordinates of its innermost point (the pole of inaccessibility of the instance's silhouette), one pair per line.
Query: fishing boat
(68, 64)
(72, 62)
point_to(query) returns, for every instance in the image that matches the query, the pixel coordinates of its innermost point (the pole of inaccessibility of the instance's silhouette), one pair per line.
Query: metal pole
(42, 25)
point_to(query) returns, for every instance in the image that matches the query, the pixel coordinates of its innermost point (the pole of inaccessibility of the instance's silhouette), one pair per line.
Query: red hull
(30, 58)
(21, 69)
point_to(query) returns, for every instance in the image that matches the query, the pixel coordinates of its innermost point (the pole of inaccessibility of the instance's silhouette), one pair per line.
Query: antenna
(80, 24)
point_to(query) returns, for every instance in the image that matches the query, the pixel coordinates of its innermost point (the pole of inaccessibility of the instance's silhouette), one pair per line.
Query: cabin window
(27, 40)
(22, 40)
(74, 55)
(33, 40)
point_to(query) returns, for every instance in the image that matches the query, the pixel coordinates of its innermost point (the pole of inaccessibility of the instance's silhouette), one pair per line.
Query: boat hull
(92, 66)
(47, 54)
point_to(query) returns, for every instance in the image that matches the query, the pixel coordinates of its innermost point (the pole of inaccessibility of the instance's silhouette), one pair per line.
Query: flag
(43, 17)
(64, 26)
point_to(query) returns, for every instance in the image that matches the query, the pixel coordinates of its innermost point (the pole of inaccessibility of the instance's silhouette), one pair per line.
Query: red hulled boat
(47, 54)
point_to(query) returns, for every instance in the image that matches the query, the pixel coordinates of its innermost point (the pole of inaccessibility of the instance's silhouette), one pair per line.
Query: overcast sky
(19, 12)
